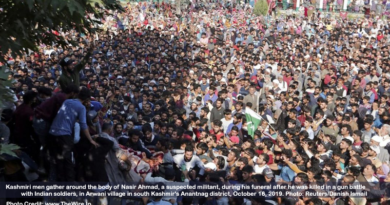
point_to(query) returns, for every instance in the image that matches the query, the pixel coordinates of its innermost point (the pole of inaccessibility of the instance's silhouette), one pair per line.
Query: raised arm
(84, 61)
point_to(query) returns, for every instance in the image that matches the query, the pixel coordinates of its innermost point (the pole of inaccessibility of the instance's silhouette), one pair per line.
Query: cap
(377, 163)
(271, 96)
(235, 139)
(376, 138)
(119, 77)
(267, 172)
(350, 139)
(66, 61)
(211, 166)
(375, 149)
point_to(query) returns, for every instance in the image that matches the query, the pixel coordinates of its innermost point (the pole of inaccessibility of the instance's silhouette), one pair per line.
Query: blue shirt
(70, 111)
(231, 126)
(378, 123)
(286, 173)
(338, 48)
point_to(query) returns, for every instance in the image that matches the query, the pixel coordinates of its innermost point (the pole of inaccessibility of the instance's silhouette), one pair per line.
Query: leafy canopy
(28, 23)
(25, 24)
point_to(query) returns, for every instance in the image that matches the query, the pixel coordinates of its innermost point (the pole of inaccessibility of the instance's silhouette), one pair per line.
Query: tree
(261, 8)
(24, 24)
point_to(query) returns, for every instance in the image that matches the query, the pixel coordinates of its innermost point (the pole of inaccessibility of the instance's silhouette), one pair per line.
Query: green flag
(252, 121)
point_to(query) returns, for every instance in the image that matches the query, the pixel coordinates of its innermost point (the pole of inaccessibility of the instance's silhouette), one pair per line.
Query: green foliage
(24, 24)
(31, 22)
(8, 149)
(261, 8)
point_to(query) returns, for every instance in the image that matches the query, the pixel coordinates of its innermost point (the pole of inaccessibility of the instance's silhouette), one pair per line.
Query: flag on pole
(253, 120)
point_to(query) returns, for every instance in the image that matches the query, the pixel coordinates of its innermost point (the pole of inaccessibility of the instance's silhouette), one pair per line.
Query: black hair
(303, 177)
(217, 123)
(221, 162)
(236, 153)
(146, 127)
(265, 158)
(45, 91)
(203, 146)
(315, 170)
(349, 142)
(355, 171)
(247, 168)
(29, 96)
(243, 160)
(287, 152)
(84, 94)
(205, 109)
(135, 133)
(189, 149)
(365, 146)
(251, 152)
(106, 126)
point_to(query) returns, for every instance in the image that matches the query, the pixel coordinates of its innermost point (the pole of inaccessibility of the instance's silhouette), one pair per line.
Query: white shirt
(226, 123)
(259, 170)
(385, 141)
(310, 132)
(372, 180)
(195, 161)
(283, 86)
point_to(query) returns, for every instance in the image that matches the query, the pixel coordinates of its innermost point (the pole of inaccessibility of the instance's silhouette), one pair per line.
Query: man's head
(373, 151)
(201, 148)
(345, 143)
(147, 130)
(188, 153)
(247, 172)
(233, 155)
(29, 97)
(107, 128)
(162, 145)
(67, 64)
(252, 90)
(369, 170)
(85, 96)
(135, 135)
(262, 159)
(375, 140)
(118, 128)
(219, 102)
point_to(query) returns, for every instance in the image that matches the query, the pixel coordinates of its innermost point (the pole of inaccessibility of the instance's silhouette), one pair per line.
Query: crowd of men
(161, 97)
